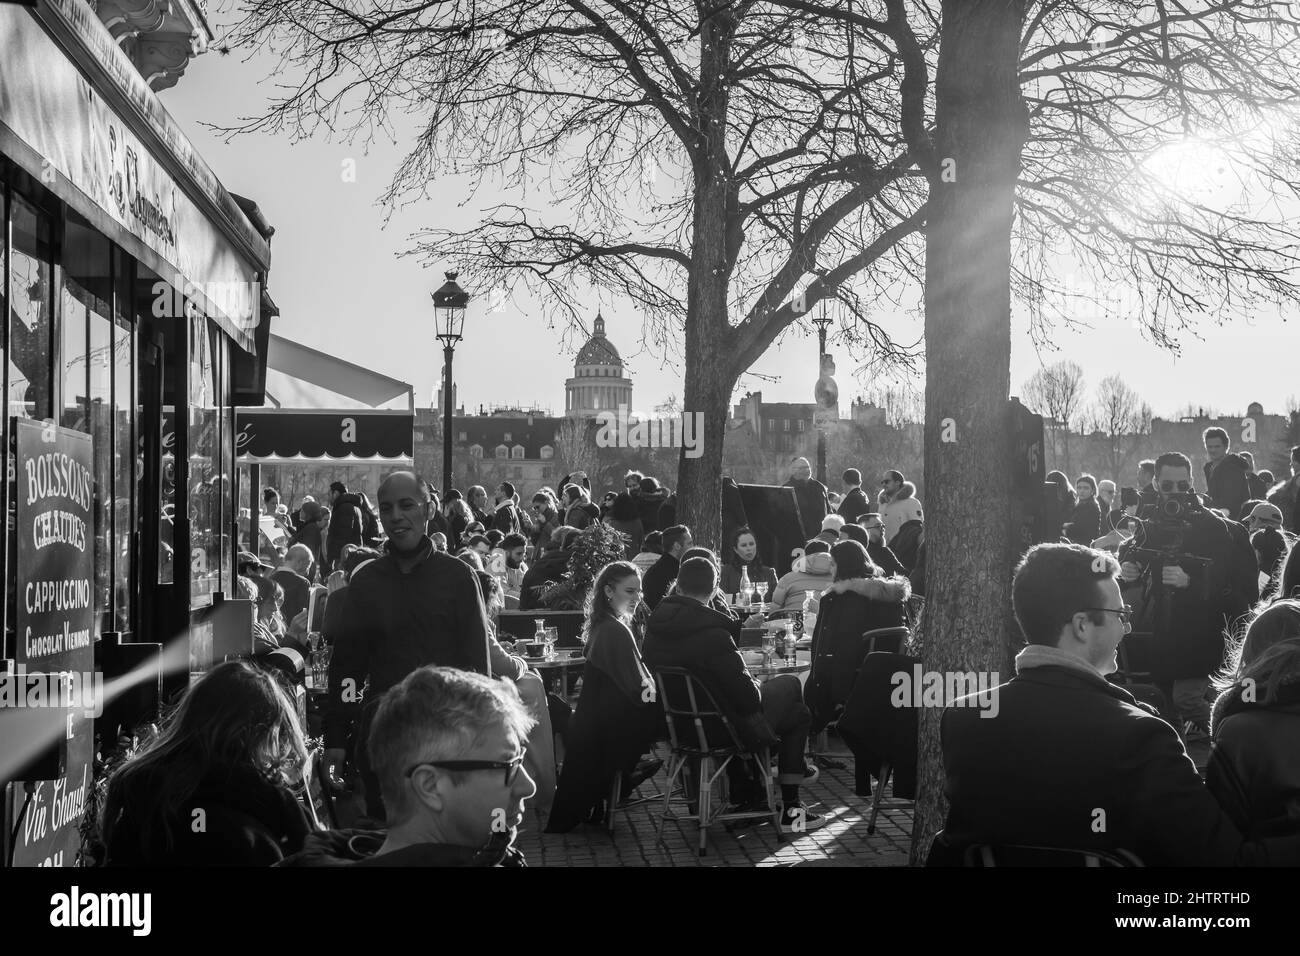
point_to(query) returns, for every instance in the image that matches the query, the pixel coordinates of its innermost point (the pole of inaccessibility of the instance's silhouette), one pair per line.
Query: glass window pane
(30, 311)
(205, 510)
(226, 464)
(126, 474)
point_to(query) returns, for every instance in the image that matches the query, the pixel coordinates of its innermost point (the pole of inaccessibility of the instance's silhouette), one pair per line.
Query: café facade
(136, 320)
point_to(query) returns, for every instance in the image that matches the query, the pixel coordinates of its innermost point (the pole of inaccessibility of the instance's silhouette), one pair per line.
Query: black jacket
(1084, 526)
(854, 505)
(505, 519)
(907, 543)
(647, 507)
(358, 848)
(1071, 760)
(246, 821)
(1254, 769)
(297, 591)
(729, 578)
(885, 559)
(813, 504)
(659, 579)
(547, 569)
(1228, 486)
(396, 621)
(1188, 623)
(347, 526)
(682, 632)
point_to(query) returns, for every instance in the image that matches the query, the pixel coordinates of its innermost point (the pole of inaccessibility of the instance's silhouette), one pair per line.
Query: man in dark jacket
(649, 499)
(1187, 605)
(547, 569)
(446, 807)
(676, 540)
(855, 500)
(1070, 760)
(880, 553)
(347, 523)
(413, 607)
(683, 631)
(1225, 475)
(506, 516)
(814, 505)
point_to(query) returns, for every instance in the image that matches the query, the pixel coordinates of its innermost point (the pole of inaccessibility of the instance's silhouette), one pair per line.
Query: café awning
(324, 408)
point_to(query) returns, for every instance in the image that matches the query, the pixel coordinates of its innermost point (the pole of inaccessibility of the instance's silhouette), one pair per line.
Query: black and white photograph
(563, 434)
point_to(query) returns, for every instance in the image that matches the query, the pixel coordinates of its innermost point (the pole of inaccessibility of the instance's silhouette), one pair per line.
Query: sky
(342, 286)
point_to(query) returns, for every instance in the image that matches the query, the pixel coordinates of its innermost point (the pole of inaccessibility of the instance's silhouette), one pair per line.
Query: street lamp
(822, 321)
(449, 318)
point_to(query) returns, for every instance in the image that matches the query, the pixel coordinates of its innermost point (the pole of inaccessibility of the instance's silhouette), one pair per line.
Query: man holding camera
(1183, 569)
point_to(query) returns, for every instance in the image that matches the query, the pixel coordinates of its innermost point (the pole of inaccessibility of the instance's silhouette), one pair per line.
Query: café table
(556, 673)
(765, 672)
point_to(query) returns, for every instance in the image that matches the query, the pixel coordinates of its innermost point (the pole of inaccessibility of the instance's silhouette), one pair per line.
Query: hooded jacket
(682, 632)
(1254, 768)
(359, 848)
(895, 512)
(815, 577)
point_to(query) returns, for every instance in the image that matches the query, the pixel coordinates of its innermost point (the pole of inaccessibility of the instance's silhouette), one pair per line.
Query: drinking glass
(769, 648)
(761, 589)
(552, 635)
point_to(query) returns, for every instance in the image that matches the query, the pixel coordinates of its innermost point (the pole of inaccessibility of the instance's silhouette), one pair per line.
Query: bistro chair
(887, 639)
(617, 804)
(883, 737)
(700, 733)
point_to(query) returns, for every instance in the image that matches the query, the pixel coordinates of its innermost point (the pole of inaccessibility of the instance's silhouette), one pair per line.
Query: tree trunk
(980, 130)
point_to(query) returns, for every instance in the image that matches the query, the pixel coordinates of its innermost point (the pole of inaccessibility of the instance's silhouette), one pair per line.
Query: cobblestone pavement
(843, 841)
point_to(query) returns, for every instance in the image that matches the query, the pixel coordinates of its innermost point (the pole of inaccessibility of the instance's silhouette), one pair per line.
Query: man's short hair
(1147, 464)
(270, 494)
(514, 540)
(697, 578)
(298, 555)
(817, 546)
(437, 713)
(857, 533)
(633, 474)
(508, 488)
(477, 539)
(1216, 432)
(1250, 458)
(495, 537)
(653, 542)
(866, 516)
(339, 487)
(852, 477)
(700, 552)
(1173, 459)
(673, 536)
(1054, 582)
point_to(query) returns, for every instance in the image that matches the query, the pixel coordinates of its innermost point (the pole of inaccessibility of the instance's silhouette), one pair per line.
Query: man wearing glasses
(1068, 760)
(881, 556)
(1186, 605)
(448, 747)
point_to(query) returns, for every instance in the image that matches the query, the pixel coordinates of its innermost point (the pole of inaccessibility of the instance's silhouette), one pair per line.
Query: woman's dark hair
(236, 720)
(623, 508)
(857, 533)
(851, 561)
(1064, 490)
(734, 539)
(598, 606)
(495, 537)
(649, 486)
(1268, 654)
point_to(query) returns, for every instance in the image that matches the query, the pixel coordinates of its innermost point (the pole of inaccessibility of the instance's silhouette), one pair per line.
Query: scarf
(1040, 655)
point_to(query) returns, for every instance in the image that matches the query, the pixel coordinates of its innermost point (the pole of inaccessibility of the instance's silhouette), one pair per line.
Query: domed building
(599, 383)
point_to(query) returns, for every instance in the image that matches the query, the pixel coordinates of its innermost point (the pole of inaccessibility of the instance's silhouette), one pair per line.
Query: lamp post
(822, 322)
(449, 318)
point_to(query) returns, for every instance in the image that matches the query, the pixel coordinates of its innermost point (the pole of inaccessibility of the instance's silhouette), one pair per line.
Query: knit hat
(832, 523)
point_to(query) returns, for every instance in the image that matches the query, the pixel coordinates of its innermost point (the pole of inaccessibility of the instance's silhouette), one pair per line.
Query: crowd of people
(449, 732)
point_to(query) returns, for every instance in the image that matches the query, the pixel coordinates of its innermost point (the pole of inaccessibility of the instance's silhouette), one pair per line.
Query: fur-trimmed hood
(873, 589)
(907, 491)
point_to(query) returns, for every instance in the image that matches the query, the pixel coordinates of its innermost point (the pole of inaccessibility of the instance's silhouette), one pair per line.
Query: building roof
(599, 350)
(490, 431)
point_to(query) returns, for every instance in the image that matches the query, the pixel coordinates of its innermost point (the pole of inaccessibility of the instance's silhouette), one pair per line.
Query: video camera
(1161, 535)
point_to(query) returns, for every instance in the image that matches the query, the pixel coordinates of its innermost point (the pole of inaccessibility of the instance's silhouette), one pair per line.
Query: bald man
(413, 607)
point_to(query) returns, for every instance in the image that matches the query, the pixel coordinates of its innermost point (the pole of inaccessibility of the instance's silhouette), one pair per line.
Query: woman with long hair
(459, 518)
(1254, 768)
(1059, 506)
(215, 786)
(546, 518)
(617, 718)
(1084, 526)
(742, 555)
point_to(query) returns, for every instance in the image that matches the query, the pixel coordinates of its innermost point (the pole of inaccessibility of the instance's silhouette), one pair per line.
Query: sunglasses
(511, 767)
(1125, 613)
(1168, 487)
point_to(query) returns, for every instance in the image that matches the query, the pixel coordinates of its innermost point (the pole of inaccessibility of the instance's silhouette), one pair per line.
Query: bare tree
(1122, 419)
(575, 447)
(1057, 393)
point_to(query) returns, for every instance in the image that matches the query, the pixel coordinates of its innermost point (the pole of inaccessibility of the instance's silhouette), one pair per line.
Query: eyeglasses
(511, 767)
(1125, 613)
(1168, 487)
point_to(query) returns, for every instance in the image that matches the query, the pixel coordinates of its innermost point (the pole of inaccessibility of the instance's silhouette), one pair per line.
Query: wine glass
(761, 590)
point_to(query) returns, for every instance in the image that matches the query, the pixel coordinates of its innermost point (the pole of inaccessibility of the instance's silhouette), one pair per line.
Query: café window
(30, 311)
(127, 477)
(204, 450)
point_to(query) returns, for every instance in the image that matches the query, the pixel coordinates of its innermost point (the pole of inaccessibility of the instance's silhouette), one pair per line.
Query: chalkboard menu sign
(54, 619)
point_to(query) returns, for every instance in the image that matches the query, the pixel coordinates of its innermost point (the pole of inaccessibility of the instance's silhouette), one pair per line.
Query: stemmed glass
(760, 590)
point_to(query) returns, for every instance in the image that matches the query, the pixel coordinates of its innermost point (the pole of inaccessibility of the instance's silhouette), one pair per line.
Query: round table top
(769, 670)
(543, 663)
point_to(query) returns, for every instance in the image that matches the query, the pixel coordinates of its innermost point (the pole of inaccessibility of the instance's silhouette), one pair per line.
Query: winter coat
(729, 579)
(347, 526)
(668, 512)
(1254, 768)
(682, 632)
(631, 532)
(1065, 745)
(1188, 623)
(854, 505)
(848, 609)
(506, 518)
(885, 559)
(581, 514)
(647, 506)
(896, 511)
(1270, 553)
(657, 581)
(907, 543)
(814, 505)
(359, 848)
(645, 560)
(547, 569)
(248, 821)
(1084, 525)
(1228, 486)
(816, 577)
